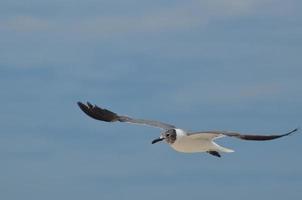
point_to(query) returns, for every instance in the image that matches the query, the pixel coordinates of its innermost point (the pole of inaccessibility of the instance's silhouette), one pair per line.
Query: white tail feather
(221, 149)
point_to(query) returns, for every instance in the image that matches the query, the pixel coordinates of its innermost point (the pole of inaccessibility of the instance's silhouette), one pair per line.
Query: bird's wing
(108, 116)
(216, 134)
(205, 135)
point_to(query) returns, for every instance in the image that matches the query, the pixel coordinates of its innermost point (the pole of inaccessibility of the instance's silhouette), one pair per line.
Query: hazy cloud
(24, 24)
(179, 16)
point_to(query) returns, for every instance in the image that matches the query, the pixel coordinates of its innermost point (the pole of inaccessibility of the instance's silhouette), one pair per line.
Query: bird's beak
(158, 140)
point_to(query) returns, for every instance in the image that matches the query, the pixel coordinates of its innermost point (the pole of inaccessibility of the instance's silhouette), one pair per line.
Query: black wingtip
(98, 113)
(89, 104)
(295, 130)
(80, 104)
(84, 108)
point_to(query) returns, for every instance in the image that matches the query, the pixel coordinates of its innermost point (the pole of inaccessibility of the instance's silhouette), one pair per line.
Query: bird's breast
(187, 144)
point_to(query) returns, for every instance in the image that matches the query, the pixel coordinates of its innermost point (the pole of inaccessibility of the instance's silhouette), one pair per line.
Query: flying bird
(178, 139)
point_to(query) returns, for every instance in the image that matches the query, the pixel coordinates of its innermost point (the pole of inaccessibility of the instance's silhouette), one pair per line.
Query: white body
(191, 144)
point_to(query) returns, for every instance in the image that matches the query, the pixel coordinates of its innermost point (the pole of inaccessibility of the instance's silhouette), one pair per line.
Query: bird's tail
(221, 149)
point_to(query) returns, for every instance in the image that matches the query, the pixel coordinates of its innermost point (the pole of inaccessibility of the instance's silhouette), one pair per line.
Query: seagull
(179, 139)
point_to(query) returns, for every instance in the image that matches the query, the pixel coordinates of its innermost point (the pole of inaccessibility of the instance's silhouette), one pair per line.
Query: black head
(169, 136)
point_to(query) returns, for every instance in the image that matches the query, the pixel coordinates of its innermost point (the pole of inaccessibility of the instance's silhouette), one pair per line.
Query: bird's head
(169, 136)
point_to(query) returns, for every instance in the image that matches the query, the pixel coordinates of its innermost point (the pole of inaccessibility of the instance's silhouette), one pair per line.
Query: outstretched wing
(216, 134)
(108, 116)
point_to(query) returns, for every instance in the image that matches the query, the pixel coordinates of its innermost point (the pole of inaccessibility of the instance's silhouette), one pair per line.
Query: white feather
(197, 143)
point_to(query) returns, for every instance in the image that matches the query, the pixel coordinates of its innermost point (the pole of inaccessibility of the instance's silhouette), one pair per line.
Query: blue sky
(201, 65)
